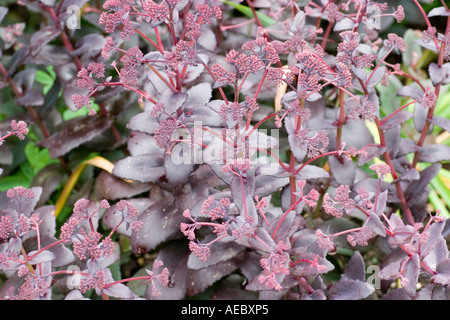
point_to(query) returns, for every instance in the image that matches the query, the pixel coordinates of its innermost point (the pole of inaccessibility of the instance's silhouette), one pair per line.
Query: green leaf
(9, 182)
(71, 114)
(266, 21)
(38, 158)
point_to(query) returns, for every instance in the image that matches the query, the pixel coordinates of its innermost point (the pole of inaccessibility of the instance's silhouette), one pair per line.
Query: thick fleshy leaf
(420, 116)
(49, 55)
(407, 146)
(112, 218)
(172, 101)
(411, 272)
(396, 120)
(376, 77)
(417, 187)
(355, 268)
(40, 38)
(3, 12)
(443, 273)
(90, 43)
(410, 91)
(435, 233)
(161, 223)
(143, 122)
(142, 168)
(207, 39)
(174, 255)
(371, 152)
(27, 206)
(411, 174)
(432, 292)
(434, 153)
(177, 172)
(110, 187)
(198, 280)
(444, 123)
(439, 11)
(312, 172)
(243, 193)
(439, 75)
(343, 170)
(220, 251)
(438, 253)
(49, 179)
(287, 227)
(74, 133)
(350, 290)
(117, 290)
(374, 223)
(344, 24)
(305, 269)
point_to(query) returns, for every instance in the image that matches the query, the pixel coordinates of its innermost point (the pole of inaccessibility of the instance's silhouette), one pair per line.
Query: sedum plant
(225, 150)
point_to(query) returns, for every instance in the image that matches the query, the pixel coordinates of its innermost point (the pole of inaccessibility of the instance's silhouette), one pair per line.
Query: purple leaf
(439, 75)
(177, 173)
(417, 187)
(344, 24)
(374, 223)
(161, 223)
(117, 290)
(444, 123)
(343, 170)
(110, 187)
(32, 97)
(305, 269)
(411, 273)
(312, 172)
(439, 11)
(3, 12)
(198, 280)
(443, 273)
(435, 233)
(376, 77)
(396, 120)
(420, 116)
(410, 91)
(143, 122)
(355, 268)
(112, 217)
(407, 146)
(411, 174)
(220, 251)
(40, 38)
(432, 292)
(74, 133)
(434, 153)
(199, 94)
(172, 101)
(89, 43)
(49, 55)
(175, 256)
(143, 168)
(207, 39)
(350, 290)
(371, 152)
